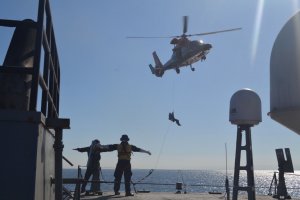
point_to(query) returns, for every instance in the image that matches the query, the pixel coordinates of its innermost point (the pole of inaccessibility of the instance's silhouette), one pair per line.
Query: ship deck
(172, 196)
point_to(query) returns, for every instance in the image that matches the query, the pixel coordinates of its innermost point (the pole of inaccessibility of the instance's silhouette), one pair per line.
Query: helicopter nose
(208, 46)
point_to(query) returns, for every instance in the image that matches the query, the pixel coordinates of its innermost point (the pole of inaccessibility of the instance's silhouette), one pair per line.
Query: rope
(173, 89)
(157, 160)
(161, 148)
(149, 173)
(162, 145)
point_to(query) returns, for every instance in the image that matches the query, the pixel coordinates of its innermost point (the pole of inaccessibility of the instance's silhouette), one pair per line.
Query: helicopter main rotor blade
(185, 24)
(150, 37)
(178, 36)
(214, 32)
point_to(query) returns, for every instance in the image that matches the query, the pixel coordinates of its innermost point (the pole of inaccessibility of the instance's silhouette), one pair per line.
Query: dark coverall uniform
(173, 119)
(93, 167)
(123, 166)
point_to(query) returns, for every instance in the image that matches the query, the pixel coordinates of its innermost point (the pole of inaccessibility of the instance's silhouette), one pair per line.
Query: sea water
(192, 180)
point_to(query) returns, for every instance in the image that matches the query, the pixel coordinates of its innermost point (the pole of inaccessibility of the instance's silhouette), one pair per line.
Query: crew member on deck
(124, 166)
(93, 165)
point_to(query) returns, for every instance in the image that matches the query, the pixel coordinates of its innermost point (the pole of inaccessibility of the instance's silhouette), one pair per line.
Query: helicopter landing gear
(177, 70)
(192, 68)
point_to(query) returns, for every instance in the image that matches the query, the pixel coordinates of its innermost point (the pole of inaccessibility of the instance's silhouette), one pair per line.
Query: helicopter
(185, 52)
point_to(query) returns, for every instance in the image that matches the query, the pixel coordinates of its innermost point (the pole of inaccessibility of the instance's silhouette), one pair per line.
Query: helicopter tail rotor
(157, 71)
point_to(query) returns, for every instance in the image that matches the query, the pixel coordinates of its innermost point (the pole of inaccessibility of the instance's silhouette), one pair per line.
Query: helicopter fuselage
(185, 52)
(188, 54)
(183, 55)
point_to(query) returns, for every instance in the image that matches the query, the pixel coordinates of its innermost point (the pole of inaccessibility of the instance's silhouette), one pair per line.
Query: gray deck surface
(172, 196)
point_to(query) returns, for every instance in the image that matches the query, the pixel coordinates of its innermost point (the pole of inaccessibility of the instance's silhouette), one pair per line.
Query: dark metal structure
(284, 166)
(250, 188)
(32, 62)
(45, 46)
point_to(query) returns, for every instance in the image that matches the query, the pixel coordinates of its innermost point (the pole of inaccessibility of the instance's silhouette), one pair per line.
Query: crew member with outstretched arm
(93, 165)
(124, 166)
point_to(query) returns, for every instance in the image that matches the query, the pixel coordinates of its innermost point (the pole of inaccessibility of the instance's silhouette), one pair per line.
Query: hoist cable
(162, 145)
(163, 141)
(173, 86)
(158, 158)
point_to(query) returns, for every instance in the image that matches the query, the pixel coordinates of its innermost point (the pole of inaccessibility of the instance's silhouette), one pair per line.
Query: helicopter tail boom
(156, 60)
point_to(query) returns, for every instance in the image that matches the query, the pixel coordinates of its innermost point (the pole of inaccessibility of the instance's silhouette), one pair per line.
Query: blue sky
(107, 88)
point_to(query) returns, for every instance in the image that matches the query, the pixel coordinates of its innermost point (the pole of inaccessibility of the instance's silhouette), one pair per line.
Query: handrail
(69, 162)
(11, 23)
(44, 45)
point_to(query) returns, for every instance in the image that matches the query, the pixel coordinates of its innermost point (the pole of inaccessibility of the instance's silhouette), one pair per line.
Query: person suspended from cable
(173, 119)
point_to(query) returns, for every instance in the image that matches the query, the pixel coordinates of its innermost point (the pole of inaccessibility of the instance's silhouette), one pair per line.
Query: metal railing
(49, 77)
(41, 74)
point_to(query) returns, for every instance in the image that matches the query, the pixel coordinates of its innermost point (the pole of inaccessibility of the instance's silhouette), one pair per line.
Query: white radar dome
(285, 76)
(245, 108)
